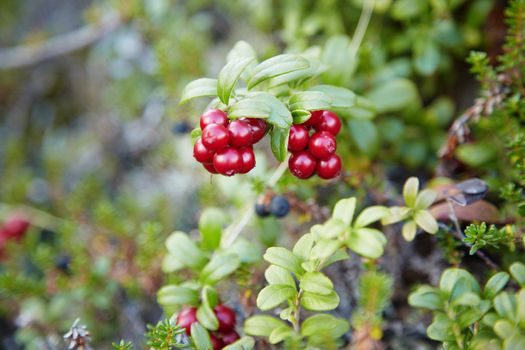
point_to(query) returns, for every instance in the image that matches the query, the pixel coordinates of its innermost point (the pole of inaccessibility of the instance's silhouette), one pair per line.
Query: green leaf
(284, 258)
(245, 343)
(172, 294)
(338, 255)
(325, 248)
(410, 189)
(515, 342)
(475, 154)
(367, 242)
(241, 49)
(365, 135)
(395, 214)
(330, 229)
(309, 100)
(209, 296)
(319, 302)
(207, 318)
(409, 230)
(279, 334)
(506, 306)
(370, 215)
(344, 210)
(426, 297)
(277, 275)
(451, 276)
(503, 328)
(199, 88)
(280, 116)
(211, 223)
(303, 247)
(273, 295)
(279, 142)
(426, 221)
(427, 56)
(248, 252)
(297, 77)
(171, 264)
(340, 97)
(441, 328)
(469, 316)
(200, 337)
(250, 107)
(316, 282)
(394, 95)
(517, 270)
(324, 324)
(495, 284)
(276, 66)
(336, 56)
(262, 325)
(521, 307)
(220, 266)
(425, 199)
(300, 116)
(229, 75)
(185, 250)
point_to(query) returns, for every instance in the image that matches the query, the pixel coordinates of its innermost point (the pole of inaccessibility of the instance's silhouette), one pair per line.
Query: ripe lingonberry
(248, 159)
(330, 167)
(16, 227)
(258, 128)
(298, 139)
(329, 122)
(240, 133)
(302, 164)
(322, 145)
(210, 168)
(227, 161)
(213, 116)
(201, 153)
(279, 206)
(315, 117)
(216, 343)
(186, 318)
(230, 337)
(215, 137)
(226, 318)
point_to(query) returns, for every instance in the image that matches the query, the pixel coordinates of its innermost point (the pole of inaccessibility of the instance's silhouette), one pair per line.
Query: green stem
(362, 25)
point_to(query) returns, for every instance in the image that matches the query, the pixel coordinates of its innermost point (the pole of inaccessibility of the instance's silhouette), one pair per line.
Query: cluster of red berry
(15, 228)
(226, 147)
(315, 153)
(225, 334)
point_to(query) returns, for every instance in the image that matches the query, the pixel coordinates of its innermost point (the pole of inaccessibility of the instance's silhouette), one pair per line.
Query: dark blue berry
(181, 128)
(279, 206)
(261, 210)
(62, 263)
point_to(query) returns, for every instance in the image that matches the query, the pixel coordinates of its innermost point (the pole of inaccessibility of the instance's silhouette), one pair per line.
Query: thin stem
(362, 25)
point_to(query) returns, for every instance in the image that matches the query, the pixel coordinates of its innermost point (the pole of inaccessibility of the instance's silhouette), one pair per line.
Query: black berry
(279, 206)
(261, 210)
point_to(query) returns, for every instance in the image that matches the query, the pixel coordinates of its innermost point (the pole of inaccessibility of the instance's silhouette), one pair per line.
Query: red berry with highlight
(228, 161)
(210, 168)
(215, 137)
(15, 227)
(302, 164)
(315, 117)
(298, 139)
(214, 116)
(226, 317)
(258, 128)
(240, 133)
(322, 145)
(329, 168)
(329, 122)
(216, 343)
(201, 153)
(248, 159)
(186, 318)
(230, 337)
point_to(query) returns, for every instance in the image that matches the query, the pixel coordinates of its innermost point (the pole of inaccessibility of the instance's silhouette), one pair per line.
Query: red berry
(186, 318)
(214, 116)
(329, 168)
(210, 168)
(215, 137)
(226, 317)
(258, 128)
(16, 227)
(228, 161)
(240, 133)
(298, 139)
(248, 159)
(216, 343)
(315, 117)
(329, 122)
(322, 145)
(230, 337)
(201, 153)
(302, 164)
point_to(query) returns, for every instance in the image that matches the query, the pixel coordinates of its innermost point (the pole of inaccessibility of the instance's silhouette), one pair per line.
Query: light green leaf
(367, 242)
(370, 215)
(495, 284)
(303, 247)
(276, 66)
(410, 190)
(250, 107)
(211, 223)
(309, 100)
(441, 328)
(173, 295)
(316, 282)
(300, 116)
(409, 230)
(338, 255)
(425, 199)
(229, 75)
(506, 306)
(330, 229)
(279, 334)
(318, 302)
(521, 307)
(241, 49)
(451, 276)
(207, 318)
(280, 116)
(199, 88)
(200, 337)
(394, 95)
(273, 295)
(517, 270)
(220, 266)
(279, 142)
(325, 248)
(185, 250)
(324, 324)
(476, 154)
(248, 252)
(277, 275)
(340, 97)
(426, 221)
(503, 328)
(245, 343)
(171, 264)
(284, 258)
(337, 57)
(262, 325)
(365, 136)
(344, 210)
(395, 214)
(426, 297)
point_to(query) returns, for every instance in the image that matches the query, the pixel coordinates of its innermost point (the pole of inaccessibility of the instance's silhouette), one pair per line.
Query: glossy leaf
(284, 258)
(340, 97)
(410, 190)
(199, 88)
(277, 275)
(426, 221)
(344, 210)
(370, 215)
(279, 334)
(173, 295)
(229, 75)
(220, 266)
(367, 242)
(245, 343)
(211, 223)
(185, 250)
(276, 66)
(495, 284)
(318, 302)
(200, 337)
(262, 325)
(309, 100)
(273, 295)
(316, 282)
(279, 143)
